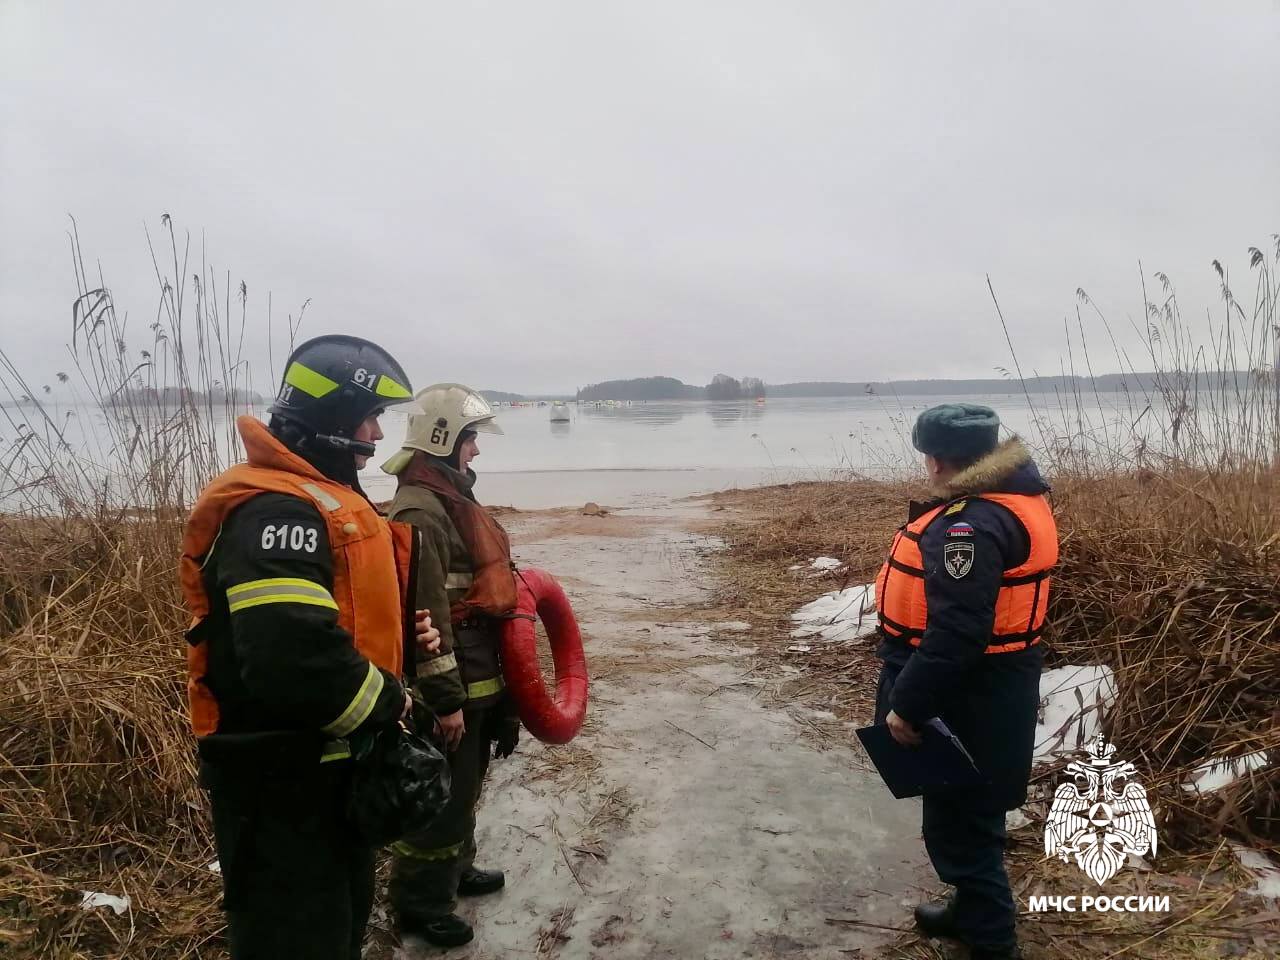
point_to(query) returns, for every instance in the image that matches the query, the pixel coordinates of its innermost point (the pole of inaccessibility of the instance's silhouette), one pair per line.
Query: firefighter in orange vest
(961, 602)
(302, 602)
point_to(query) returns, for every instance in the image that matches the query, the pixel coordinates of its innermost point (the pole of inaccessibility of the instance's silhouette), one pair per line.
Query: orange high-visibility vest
(372, 557)
(1023, 599)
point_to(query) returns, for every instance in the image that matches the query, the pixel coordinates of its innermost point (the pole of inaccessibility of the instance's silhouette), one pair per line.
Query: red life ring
(551, 720)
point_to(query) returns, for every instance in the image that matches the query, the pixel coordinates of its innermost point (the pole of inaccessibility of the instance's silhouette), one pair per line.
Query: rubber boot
(937, 918)
(476, 883)
(447, 931)
(987, 953)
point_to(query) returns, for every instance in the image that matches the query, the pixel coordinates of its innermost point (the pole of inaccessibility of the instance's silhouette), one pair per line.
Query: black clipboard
(939, 762)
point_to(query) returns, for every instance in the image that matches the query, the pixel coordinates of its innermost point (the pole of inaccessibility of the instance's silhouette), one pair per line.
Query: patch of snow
(839, 616)
(1223, 771)
(734, 626)
(1015, 819)
(825, 563)
(819, 714)
(799, 648)
(1263, 868)
(213, 866)
(93, 900)
(1072, 700)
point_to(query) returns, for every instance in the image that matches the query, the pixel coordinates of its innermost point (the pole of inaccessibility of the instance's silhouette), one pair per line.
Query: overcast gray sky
(537, 195)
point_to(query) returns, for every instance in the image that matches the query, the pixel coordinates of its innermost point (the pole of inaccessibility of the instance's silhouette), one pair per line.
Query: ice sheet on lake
(1223, 771)
(839, 616)
(1071, 701)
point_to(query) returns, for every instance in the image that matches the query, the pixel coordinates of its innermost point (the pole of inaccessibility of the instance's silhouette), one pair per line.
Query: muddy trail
(687, 819)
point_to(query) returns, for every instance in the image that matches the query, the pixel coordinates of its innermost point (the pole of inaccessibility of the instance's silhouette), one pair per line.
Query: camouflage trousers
(428, 864)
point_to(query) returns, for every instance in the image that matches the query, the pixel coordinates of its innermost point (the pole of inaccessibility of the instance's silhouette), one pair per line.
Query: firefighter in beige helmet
(465, 568)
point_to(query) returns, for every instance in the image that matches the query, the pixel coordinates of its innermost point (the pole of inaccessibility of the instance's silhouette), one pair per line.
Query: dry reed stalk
(98, 788)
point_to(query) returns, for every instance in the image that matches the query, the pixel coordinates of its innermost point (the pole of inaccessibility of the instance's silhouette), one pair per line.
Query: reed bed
(98, 785)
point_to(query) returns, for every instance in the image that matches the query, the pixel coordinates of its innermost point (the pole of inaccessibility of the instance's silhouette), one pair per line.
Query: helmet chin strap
(346, 445)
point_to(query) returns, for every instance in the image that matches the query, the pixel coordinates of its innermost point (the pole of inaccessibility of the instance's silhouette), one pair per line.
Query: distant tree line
(724, 387)
(641, 388)
(721, 387)
(176, 396)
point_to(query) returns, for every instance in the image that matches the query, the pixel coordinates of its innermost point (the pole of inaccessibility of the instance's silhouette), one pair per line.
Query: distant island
(727, 388)
(721, 387)
(724, 387)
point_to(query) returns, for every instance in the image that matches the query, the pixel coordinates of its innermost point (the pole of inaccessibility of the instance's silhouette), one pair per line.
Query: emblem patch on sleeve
(957, 557)
(960, 530)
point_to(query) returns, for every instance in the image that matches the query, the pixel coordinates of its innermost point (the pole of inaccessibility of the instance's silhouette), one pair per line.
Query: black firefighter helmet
(334, 383)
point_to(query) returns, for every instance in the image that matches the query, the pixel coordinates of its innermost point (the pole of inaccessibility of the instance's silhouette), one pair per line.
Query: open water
(633, 453)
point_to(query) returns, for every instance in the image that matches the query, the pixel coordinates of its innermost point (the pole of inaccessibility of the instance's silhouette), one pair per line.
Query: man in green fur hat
(961, 602)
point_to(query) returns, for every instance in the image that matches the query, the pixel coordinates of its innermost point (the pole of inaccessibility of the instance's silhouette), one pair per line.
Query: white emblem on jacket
(958, 558)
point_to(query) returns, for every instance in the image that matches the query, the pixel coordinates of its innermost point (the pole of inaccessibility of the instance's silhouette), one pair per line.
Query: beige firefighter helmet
(447, 410)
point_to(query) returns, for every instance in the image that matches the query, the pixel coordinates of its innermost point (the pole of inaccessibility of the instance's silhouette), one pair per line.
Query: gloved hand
(506, 737)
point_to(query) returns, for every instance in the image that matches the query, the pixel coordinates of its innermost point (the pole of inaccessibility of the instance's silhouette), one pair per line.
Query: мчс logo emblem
(957, 557)
(1100, 816)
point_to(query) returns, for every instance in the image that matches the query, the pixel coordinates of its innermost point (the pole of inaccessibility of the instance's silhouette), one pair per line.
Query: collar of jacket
(991, 473)
(263, 449)
(462, 482)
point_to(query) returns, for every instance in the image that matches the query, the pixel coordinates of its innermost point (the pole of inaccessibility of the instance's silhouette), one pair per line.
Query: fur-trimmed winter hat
(957, 431)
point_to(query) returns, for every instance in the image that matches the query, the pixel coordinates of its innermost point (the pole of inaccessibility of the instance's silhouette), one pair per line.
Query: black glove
(506, 736)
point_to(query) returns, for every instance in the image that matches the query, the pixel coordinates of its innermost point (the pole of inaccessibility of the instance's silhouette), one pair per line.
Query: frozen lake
(624, 454)
(628, 454)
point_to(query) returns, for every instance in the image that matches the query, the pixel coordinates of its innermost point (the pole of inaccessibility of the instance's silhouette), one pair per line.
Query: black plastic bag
(399, 785)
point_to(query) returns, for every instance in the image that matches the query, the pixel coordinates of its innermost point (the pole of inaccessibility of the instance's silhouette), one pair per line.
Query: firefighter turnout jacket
(301, 601)
(467, 669)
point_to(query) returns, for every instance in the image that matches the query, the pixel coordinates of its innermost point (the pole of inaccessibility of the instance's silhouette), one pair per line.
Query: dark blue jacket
(990, 701)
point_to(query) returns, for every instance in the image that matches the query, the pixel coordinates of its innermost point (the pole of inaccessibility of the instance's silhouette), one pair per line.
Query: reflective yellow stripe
(360, 707)
(335, 750)
(308, 381)
(389, 388)
(484, 688)
(326, 499)
(279, 590)
(459, 581)
(418, 853)
(438, 665)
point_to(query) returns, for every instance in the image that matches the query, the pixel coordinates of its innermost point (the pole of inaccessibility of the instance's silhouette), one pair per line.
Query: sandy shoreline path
(688, 819)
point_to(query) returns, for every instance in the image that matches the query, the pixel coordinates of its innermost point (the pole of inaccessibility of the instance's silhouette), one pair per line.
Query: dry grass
(98, 790)
(769, 529)
(98, 786)
(1173, 580)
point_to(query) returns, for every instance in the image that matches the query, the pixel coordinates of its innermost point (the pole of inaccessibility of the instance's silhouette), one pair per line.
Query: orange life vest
(369, 555)
(1023, 599)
